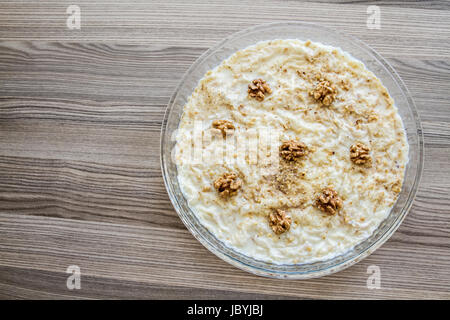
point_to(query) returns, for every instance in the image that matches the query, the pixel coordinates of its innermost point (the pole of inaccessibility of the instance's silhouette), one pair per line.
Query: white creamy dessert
(291, 152)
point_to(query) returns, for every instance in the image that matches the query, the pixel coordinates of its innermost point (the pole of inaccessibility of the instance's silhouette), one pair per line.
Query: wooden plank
(161, 256)
(420, 4)
(19, 283)
(204, 22)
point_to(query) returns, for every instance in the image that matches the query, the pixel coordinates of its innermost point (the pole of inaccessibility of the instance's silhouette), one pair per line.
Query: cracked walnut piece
(359, 154)
(224, 126)
(325, 92)
(329, 201)
(292, 150)
(258, 88)
(227, 185)
(279, 221)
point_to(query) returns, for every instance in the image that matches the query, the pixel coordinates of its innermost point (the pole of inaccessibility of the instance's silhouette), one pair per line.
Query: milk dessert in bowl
(288, 167)
(340, 161)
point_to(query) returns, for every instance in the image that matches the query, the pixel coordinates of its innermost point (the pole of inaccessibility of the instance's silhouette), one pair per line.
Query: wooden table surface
(80, 179)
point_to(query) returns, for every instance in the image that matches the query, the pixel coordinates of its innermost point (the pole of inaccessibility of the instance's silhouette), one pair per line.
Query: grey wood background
(80, 115)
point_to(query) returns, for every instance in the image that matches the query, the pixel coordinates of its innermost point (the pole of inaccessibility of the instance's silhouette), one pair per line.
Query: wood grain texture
(80, 182)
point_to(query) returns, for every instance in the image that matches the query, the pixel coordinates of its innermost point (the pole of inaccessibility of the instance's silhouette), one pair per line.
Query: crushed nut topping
(279, 221)
(372, 117)
(397, 187)
(345, 84)
(329, 201)
(258, 88)
(224, 126)
(359, 154)
(292, 150)
(325, 92)
(227, 185)
(289, 179)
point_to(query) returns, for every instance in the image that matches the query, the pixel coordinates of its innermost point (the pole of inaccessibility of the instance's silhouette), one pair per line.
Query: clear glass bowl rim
(272, 270)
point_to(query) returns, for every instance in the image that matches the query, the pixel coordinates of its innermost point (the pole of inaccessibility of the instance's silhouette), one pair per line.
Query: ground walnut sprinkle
(324, 92)
(329, 201)
(258, 88)
(227, 185)
(292, 150)
(225, 126)
(359, 154)
(279, 221)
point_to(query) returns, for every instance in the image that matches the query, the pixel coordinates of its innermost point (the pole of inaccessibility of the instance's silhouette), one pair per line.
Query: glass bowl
(303, 31)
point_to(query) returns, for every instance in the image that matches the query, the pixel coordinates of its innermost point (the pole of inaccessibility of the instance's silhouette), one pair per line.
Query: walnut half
(227, 185)
(292, 150)
(258, 88)
(329, 201)
(224, 126)
(359, 154)
(279, 221)
(324, 92)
